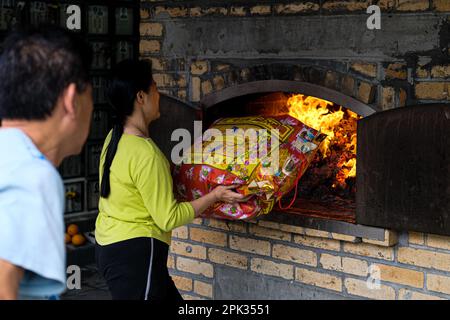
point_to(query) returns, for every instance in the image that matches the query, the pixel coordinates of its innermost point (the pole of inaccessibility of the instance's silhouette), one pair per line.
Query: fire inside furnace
(328, 188)
(335, 162)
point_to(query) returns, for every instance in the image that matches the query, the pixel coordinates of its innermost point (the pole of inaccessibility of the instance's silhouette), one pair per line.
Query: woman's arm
(219, 194)
(154, 182)
(152, 178)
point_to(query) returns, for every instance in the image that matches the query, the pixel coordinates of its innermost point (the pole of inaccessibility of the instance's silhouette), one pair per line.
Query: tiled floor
(93, 287)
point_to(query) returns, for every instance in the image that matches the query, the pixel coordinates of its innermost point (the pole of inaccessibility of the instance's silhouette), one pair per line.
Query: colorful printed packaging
(252, 164)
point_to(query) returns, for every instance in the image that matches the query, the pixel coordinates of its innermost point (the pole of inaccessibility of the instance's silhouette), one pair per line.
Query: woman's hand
(225, 194)
(219, 194)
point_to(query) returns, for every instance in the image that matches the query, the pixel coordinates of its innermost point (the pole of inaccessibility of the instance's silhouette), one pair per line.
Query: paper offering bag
(270, 155)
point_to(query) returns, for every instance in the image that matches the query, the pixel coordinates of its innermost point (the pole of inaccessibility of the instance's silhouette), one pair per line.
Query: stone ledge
(332, 229)
(296, 224)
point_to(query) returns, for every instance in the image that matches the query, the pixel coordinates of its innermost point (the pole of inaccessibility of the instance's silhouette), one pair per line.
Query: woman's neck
(136, 127)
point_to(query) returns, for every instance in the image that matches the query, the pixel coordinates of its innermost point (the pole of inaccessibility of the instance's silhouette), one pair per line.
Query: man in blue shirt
(45, 107)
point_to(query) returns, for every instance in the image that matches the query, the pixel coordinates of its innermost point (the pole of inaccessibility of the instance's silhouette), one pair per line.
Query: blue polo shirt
(31, 216)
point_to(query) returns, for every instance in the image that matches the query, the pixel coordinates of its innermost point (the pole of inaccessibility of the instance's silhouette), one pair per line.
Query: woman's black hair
(128, 78)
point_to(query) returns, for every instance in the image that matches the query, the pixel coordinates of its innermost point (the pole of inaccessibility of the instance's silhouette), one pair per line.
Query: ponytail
(129, 77)
(110, 153)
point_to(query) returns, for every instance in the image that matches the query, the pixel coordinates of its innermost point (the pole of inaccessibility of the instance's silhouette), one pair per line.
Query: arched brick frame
(287, 86)
(344, 89)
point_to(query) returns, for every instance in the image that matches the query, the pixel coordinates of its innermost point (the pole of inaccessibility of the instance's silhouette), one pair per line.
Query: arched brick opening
(248, 90)
(344, 89)
(267, 86)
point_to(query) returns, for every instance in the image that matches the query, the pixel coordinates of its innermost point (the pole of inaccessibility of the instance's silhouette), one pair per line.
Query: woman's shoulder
(143, 148)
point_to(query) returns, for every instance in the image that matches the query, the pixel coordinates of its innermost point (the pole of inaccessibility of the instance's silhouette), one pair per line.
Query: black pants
(136, 269)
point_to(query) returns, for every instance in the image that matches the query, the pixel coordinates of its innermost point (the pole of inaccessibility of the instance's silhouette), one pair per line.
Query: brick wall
(409, 265)
(389, 79)
(405, 63)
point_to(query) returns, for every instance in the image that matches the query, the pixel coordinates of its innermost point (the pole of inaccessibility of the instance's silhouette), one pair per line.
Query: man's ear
(68, 99)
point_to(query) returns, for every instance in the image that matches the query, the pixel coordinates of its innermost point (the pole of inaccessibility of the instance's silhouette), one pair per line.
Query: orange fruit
(67, 238)
(78, 240)
(72, 230)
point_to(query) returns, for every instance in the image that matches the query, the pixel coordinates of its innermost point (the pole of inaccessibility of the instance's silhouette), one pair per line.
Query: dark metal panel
(403, 179)
(174, 114)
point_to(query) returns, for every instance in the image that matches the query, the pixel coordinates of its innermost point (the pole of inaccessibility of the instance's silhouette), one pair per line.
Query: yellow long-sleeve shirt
(141, 202)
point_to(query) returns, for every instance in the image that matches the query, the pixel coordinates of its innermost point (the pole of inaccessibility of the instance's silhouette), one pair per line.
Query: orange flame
(339, 126)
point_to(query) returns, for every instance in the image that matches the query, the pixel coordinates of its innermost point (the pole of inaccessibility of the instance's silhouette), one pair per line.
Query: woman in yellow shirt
(137, 208)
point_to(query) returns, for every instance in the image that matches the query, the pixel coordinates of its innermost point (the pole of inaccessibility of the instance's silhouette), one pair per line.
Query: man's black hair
(36, 66)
